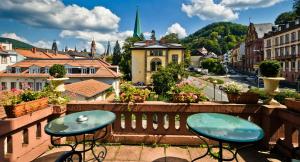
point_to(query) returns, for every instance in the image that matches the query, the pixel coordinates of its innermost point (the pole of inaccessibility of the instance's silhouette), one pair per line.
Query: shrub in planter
(187, 93)
(285, 93)
(270, 68)
(129, 93)
(57, 71)
(233, 91)
(260, 92)
(293, 103)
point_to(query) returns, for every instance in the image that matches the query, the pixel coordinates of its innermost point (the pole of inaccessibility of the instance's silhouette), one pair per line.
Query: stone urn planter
(58, 83)
(293, 104)
(271, 87)
(14, 111)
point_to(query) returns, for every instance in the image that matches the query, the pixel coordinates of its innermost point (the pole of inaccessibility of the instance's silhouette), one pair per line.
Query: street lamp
(215, 82)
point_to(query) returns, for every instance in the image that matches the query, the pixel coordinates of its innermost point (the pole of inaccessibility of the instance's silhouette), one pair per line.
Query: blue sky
(77, 22)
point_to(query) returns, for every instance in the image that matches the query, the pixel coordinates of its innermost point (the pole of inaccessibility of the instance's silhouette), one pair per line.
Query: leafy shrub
(232, 88)
(270, 68)
(57, 71)
(261, 93)
(286, 93)
(8, 98)
(129, 93)
(211, 80)
(29, 95)
(163, 80)
(187, 93)
(55, 97)
(213, 65)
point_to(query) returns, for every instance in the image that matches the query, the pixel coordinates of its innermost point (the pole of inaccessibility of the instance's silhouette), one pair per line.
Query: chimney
(33, 50)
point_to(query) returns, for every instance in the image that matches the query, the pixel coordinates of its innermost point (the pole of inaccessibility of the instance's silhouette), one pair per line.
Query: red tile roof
(36, 53)
(87, 88)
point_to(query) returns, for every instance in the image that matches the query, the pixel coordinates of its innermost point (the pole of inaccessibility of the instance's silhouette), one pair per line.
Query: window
(92, 70)
(287, 38)
(3, 86)
(293, 36)
(46, 70)
(38, 86)
(269, 43)
(8, 69)
(287, 65)
(281, 51)
(30, 85)
(21, 85)
(276, 52)
(155, 64)
(84, 70)
(276, 41)
(293, 51)
(175, 59)
(298, 34)
(299, 64)
(269, 53)
(156, 52)
(287, 51)
(281, 40)
(34, 70)
(4, 59)
(13, 85)
(18, 70)
(293, 64)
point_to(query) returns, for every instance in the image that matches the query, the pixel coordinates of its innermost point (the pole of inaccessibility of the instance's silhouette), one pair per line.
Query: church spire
(137, 25)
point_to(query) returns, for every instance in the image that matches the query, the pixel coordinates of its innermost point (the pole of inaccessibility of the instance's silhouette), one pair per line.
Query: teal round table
(224, 129)
(80, 123)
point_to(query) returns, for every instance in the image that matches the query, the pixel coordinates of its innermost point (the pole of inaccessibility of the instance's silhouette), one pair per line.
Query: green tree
(125, 63)
(187, 58)
(213, 65)
(116, 58)
(170, 38)
(163, 81)
(296, 7)
(285, 17)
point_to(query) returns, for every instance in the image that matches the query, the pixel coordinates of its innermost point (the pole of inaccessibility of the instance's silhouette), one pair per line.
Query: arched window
(155, 64)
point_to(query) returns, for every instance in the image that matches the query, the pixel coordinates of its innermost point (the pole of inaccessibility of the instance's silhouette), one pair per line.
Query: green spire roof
(137, 25)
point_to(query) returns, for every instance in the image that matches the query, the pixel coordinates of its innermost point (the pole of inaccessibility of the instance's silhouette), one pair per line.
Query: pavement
(130, 153)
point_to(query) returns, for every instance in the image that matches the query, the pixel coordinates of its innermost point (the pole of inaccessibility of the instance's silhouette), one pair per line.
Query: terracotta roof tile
(40, 54)
(87, 88)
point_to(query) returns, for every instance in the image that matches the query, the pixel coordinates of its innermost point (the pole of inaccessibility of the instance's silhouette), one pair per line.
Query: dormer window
(46, 70)
(84, 70)
(92, 70)
(34, 70)
(18, 70)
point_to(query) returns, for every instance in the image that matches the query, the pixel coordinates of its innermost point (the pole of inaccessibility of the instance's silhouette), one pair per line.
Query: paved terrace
(131, 153)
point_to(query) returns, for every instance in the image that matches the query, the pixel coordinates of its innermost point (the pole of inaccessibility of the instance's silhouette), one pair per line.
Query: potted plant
(57, 73)
(129, 93)
(17, 103)
(57, 99)
(270, 69)
(187, 93)
(233, 91)
(293, 103)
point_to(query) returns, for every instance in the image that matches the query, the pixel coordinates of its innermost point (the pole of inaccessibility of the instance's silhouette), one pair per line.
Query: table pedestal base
(79, 155)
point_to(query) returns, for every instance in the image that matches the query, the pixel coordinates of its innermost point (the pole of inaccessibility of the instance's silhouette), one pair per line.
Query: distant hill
(216, 37)
(16, 43)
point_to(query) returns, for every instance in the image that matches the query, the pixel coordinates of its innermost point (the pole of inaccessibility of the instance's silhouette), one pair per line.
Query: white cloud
(177, 29)
(245, 4)
(44, 44)
(54, 14)
(208, 10)
(14, 36)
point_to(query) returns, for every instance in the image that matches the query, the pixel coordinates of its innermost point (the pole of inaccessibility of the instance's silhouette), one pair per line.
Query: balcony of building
(153, 131)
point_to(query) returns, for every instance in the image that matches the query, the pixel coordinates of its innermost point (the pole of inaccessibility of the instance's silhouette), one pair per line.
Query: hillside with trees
(217, 37)
(16, 43)
(289, 15)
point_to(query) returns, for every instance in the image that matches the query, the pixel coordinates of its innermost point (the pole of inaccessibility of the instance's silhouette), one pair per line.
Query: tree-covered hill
(16, 43)
(217, 37)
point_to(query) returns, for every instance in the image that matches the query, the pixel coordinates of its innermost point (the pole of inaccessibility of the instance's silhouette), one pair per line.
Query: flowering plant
(187, 93)
(232, 88)
(10, 98)
(129, 93)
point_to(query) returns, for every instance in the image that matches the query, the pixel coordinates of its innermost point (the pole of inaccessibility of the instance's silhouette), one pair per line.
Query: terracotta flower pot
(248, 98)
(21, 109)
(292, 104)
(233, 97)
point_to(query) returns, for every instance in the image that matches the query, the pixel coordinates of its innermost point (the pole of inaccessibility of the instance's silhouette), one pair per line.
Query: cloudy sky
(76, 22)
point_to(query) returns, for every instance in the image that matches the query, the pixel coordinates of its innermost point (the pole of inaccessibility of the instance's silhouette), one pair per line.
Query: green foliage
(57, 71)
(261, 93)
(217, 37)
(296, 7)
(125, 63)
(187, 58)
(270, 68)
(129, 93)
(285, 17)
(187, 93)
(170, 38)
(54, 97)
(166, 78)
(16, 43)
(29, 95)
(286, 93)
(13, 97)
(116, 54)
(213, 65)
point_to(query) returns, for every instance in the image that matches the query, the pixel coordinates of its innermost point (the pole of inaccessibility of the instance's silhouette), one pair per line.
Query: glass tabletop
(80, 123)
(223, 127)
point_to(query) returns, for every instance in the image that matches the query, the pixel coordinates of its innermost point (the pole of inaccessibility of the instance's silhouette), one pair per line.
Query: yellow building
(149, 55)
